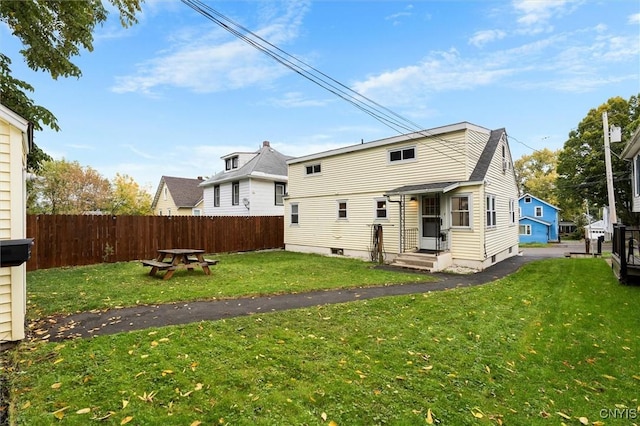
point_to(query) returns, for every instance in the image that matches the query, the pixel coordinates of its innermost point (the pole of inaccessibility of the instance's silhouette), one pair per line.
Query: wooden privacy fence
(70, 240)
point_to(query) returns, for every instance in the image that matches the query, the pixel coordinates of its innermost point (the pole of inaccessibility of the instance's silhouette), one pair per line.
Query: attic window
(313, 169)
(527, 199)
(231, 163)
(402, 154)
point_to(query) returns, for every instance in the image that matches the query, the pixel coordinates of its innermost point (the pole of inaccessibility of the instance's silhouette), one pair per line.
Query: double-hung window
(381, 208)
(512, 211)
(461, 211)
(235, 193)
(525, 229)
(280, 189)
(538, 211)
(216, 196)
(342, 209)
(491, 211)
(294, 214)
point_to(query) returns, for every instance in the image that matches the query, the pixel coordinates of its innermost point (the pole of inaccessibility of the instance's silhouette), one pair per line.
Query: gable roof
(538, 199)
(534, 219)
(633, 146)
(185, 192)
(267, 164)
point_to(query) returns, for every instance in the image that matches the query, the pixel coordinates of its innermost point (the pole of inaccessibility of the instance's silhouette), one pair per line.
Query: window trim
(402, 151)
(342, 213)
(535, 211)
(310, 169)
(636, 173)
(216, 196)
(512, 211)
(276, 185)
(196, 212)
(377, 209)
(491, 216)
(527, 229)
(296, 214)
(231, 163)
(469, 211)
(235, 197)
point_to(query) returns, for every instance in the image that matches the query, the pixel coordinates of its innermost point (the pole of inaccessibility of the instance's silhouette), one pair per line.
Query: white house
(631, 152)
(252, 184)
(15, 142)
(447, 193)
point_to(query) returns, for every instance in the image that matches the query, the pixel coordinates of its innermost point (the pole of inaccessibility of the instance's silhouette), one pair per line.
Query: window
(402, 154)
(527, 199)
(168, 212)
(231, 163)
(216, 196)
(197, 212)
(279, 193)
(460, 211)
(636, 171)
(491, 210)
(294, 214)
(538, 211)
(381, 208)
(313, 169)
(235, 193)
(165, 192)
(512, 211)
(342, 209)
(525, 229)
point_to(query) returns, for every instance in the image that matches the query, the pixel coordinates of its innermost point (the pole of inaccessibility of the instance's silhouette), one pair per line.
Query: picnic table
(170, 260)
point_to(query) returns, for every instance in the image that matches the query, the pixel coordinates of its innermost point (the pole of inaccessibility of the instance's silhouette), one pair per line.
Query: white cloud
(298, 100)
(535, 15)
(634, 19)
(202, 63)
(481, 38)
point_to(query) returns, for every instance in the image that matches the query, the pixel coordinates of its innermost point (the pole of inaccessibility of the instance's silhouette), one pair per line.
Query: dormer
(236, 160)
(231, 163)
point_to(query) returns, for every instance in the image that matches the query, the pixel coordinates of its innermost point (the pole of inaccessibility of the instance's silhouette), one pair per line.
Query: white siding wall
(263, 201)
(226, 208)
(12, 226)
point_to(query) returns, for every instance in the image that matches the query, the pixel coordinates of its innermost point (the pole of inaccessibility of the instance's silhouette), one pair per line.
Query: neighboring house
(597, 229)
(252, 184)
(631, 152)
(15, 142)
(178, 196)
(449, 193)
(539, 220)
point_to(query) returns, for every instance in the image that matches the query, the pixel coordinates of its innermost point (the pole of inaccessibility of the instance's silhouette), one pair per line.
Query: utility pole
(607, 161)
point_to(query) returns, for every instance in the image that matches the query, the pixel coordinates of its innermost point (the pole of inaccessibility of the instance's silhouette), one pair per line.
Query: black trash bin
(15, 252)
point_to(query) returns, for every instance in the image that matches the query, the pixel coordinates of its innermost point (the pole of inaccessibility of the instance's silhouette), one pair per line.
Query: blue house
(539, 220)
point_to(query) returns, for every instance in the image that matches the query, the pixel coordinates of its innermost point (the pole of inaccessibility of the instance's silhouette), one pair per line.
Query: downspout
(401, 211)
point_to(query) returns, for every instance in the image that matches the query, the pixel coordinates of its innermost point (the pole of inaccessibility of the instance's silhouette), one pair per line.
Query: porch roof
(425, 188)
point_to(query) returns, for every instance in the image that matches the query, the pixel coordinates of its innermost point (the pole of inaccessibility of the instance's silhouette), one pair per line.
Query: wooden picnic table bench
(170, 260)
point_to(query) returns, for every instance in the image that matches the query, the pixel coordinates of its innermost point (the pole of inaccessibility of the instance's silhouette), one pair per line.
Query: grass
(104, 286)
(557, 342)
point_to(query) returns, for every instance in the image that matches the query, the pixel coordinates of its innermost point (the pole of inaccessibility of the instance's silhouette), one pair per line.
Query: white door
(430, 222)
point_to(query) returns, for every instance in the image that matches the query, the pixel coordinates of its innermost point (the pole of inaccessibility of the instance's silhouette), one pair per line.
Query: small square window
(313, 169)
(342, 209)
(402, 154)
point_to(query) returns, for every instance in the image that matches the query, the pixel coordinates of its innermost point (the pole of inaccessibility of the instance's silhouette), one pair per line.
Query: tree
(68, 188)
(127, 198)
(537, 174)
(581, 163)
(52, 33)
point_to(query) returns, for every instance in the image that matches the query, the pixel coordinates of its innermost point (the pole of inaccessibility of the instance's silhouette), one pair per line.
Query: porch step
(420, 261)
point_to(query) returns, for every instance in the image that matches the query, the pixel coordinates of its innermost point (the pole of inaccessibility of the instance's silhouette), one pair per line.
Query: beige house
(15, 141)
(432, 199)
(178, 196)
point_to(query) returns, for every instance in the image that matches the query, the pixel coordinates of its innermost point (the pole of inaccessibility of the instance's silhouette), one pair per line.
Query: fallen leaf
(126, 420)
(323, 416)
(26, 405)
(429, 418)
(563, 415)
(56, 385)
(59, 414)
(606, 376)
(584, 420)
(58, 361)
(125, 402)
(196, 423)
(332, 423)
(83, 411)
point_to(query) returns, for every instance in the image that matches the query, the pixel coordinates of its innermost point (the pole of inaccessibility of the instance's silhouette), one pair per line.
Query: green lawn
(556, 343)
(69, 290)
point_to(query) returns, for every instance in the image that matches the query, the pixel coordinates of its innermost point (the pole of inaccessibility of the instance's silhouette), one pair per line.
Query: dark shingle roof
(185, 192)
(482, 166)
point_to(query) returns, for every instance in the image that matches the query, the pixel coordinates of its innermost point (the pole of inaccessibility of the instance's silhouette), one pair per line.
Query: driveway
(88, 324)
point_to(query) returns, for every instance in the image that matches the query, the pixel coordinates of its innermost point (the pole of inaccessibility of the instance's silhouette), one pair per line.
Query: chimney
(200, 178)
(265, 143)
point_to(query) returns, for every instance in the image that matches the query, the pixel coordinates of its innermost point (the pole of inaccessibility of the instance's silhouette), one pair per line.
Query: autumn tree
(581, 163)
(537, 174)
(64, 187)
(52, 33)
(127, 198)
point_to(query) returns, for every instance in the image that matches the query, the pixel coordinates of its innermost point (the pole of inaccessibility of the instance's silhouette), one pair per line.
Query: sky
(175, 92)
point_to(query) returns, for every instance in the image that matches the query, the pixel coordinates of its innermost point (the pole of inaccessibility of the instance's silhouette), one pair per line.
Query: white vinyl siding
(259, 192)
(491, 214)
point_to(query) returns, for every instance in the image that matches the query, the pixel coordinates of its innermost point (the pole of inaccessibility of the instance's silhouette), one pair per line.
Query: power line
(382, 114)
